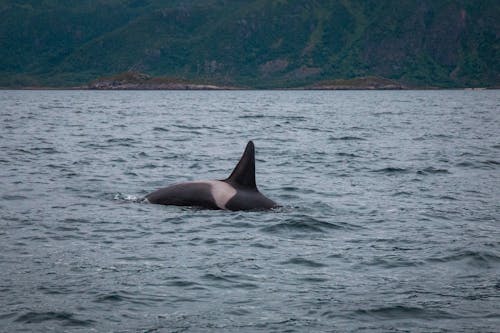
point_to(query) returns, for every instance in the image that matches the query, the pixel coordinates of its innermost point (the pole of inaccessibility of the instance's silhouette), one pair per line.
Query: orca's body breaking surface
(238, 192)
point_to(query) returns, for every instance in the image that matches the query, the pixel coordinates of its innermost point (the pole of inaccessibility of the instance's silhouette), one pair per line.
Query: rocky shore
(141, 81)
(362, 83)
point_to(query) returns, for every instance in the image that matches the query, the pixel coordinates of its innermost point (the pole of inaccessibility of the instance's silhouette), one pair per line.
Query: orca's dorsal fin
(243, 174)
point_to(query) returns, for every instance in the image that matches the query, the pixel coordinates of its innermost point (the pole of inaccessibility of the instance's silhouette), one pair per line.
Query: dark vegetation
(251, 43)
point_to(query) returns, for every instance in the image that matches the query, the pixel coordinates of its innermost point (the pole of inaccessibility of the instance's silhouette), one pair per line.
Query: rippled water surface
(390, 219)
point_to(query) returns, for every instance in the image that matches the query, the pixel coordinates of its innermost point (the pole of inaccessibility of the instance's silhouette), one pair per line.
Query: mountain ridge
(255, 43)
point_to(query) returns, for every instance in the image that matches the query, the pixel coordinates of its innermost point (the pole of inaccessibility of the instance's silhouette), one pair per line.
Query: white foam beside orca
(237, 192)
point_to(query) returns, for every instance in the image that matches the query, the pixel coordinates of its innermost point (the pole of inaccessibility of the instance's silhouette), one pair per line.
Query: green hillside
(252, 43)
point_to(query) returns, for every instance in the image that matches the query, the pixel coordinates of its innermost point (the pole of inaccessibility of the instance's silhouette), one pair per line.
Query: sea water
(390, 219)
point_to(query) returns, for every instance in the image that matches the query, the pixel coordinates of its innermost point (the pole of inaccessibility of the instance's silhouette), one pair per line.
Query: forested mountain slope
(252, 43)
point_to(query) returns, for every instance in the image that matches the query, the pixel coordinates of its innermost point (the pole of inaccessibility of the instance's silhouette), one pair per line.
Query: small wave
(214, 277)
(150, 166)
(448, 197)
(160, 129)
(487, 165)
(45, 150)
(346, 155)
(52, 290)
(64, 228)
(67, 319)
(391, 262)
(296, 118)
(192, 128)
(404, 312)
(290, 188)
(479, 259)
(181, 283)
(211, 241)
(124, 142)
(402, 194)
(6, 315)
(386, 113)
(263, 246)
(93, 145)
(432, 170)
(232, 279)
(183, 138)
(252, 116)
(303, 262)
(490, 162)
(110, 298)
(433, 136)
(75, 220)
(346, 138)
(314, 279)
(307, 225)
(10, 197)
(465, 164)
(23, 151)
(391, 170)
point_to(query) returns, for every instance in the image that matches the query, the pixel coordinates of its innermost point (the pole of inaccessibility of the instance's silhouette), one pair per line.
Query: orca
(237, 192)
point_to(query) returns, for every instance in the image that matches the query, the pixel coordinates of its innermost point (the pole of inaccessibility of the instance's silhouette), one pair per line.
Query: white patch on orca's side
(221, 192)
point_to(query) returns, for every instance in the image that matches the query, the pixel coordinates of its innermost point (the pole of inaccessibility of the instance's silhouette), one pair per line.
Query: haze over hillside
(252, 43)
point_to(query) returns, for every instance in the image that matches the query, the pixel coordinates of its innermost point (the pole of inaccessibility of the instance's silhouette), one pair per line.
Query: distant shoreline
(132, 80)
(244, 89)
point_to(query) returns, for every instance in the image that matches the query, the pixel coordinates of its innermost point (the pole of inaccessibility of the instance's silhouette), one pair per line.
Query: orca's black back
(184, 194)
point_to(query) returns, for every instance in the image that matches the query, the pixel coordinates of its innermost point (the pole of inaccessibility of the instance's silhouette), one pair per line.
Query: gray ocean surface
(390, 219)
